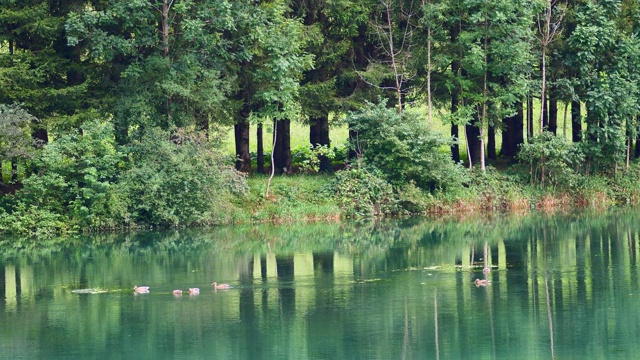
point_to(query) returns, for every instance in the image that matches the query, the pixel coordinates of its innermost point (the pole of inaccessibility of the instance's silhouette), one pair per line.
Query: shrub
(74, 177)
(551, 160)
(178, 179)
(361, 193)
(408, 150)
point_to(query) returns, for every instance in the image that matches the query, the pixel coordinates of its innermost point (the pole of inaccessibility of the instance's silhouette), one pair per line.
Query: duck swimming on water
(141, 289)
(221, 286)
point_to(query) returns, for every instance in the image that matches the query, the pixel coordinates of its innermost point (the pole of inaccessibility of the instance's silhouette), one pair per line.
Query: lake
(563, 287)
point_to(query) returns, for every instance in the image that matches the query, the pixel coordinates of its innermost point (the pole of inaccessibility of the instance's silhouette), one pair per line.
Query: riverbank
(311, 198)
(305, 198)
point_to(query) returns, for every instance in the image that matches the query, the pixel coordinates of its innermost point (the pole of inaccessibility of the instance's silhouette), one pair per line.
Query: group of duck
(192, 291)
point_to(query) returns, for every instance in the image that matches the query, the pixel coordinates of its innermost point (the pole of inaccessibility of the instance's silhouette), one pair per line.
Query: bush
(551, 160)
(409, 151)
(178, 179)
(361, 193)
(74, 177)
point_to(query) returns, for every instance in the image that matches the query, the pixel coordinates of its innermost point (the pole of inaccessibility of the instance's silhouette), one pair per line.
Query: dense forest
(112, 113)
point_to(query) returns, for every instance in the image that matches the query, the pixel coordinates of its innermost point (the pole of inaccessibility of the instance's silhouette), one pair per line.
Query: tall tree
(335, 32)
(605, 56)
(494, 68)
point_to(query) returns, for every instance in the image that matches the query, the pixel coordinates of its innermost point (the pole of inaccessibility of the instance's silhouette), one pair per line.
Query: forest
(114, 114)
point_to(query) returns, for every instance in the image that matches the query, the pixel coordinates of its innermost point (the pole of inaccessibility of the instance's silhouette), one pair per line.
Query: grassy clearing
(291, 198)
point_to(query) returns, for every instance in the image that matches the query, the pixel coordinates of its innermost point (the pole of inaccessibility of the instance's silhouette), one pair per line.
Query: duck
(194, 291)
(177, 292)
(221, 286)
(480, 282)
(141, 289)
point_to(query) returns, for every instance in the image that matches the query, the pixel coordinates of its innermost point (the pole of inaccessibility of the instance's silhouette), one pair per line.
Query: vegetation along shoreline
(232, 112)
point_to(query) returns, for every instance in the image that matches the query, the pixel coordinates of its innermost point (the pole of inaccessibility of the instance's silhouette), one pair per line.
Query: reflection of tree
(570, 281)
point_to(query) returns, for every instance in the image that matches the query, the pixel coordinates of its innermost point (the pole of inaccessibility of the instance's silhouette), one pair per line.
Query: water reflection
(556, 287)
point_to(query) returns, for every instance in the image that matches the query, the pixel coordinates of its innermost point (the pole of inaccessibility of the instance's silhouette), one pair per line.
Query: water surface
(562, 287)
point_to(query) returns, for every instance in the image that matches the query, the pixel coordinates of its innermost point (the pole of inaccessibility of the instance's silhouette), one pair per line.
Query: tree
(493, 71)
(606, 62)
(335, 32)
(15, 134)
(147, 78)
(549, 23)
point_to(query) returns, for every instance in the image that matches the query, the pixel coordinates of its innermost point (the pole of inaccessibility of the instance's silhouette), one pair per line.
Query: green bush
(361, 193)
(404, 148)
(179, 179)
(551, 160)
(74, 177)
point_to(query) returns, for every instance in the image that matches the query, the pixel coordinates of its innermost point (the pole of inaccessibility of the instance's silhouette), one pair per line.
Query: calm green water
(563, 287)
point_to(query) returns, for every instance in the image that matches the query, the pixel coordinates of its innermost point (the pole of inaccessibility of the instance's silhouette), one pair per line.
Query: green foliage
(404, 148)
(74, 176)
(178, 179)
(550, 160)
(83, 181)
(362, 193)
(15, 134)
(308, 158)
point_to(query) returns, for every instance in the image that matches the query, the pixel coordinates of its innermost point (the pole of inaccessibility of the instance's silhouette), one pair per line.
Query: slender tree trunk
(484, 119)
(455, 147)
(429, 102)
(260, 149)
(455, 97)
(491, 142)
(273, 157)
(243, 157)
(553, 114)
(545, 118)
(529, 117)
(319, 135)
(637, 151)
(164, 25)
(513, 133)
(576, 122)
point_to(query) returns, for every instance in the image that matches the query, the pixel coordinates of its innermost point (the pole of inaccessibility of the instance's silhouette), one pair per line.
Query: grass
(292, 198)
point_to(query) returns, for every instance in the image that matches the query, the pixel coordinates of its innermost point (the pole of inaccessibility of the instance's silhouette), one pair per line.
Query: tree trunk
(553, 114)
(14, 171)
(455, 147)
(473, 141)
(513, 133)
(491, 142)
(529, 117)
(319, 136)
(455, 100)
(545, 116)
(576, 122)
(637, 151)
(282, 148)
(260, 149)
(243, 157)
